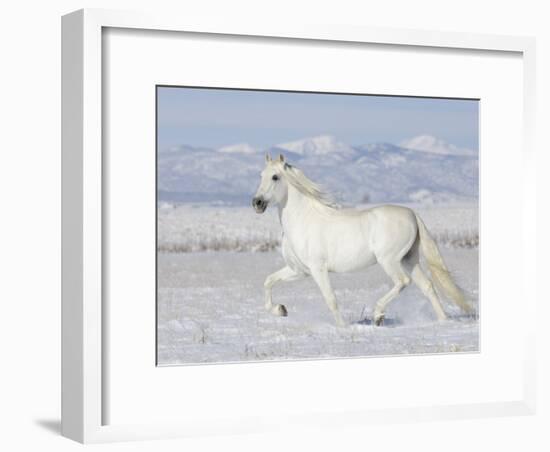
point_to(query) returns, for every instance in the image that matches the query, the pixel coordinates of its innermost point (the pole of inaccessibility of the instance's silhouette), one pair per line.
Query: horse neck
(296, 208)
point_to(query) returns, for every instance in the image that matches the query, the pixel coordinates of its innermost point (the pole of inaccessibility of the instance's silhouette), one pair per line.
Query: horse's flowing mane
(307, 187)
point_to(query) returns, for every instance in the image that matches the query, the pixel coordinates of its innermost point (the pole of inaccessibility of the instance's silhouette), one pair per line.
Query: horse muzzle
(259, 204)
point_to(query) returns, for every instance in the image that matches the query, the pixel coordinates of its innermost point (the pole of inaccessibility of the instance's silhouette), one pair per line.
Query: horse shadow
(461, 317)
(387, 322)
(394, 322)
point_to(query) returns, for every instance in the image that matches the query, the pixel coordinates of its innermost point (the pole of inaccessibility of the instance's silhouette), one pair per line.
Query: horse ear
(267, 157)
(281, 158)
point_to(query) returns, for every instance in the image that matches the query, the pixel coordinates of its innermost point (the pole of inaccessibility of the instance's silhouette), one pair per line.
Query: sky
(218, 117)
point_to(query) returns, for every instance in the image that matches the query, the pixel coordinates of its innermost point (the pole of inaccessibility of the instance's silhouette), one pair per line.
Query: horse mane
(307, 187)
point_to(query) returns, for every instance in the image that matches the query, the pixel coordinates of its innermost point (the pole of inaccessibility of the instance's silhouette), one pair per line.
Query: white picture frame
(85, 393)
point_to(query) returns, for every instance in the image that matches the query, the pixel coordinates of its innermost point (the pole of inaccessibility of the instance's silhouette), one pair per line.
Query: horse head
(273, 187)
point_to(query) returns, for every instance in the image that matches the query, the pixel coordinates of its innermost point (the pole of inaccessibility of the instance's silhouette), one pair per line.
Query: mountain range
(422, 169)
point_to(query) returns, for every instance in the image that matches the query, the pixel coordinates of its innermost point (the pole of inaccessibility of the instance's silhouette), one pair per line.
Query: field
(212, 261)
(187, 228)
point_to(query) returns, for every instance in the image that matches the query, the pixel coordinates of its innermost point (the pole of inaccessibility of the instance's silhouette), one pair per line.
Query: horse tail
(438, 269)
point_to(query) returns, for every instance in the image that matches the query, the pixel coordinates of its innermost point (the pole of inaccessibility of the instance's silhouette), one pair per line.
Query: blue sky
(217, 117)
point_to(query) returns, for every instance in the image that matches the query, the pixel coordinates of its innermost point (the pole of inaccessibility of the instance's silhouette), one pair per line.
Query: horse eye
(275, 177)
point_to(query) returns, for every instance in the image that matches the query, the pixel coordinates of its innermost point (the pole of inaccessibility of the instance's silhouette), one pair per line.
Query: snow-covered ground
(210, 309)
(214, 252)
(198, 227)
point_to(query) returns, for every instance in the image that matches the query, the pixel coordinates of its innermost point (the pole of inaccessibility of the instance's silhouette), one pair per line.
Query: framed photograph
(268, 228)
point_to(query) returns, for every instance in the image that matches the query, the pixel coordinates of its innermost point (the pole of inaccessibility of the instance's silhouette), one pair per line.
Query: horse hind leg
(400, 280)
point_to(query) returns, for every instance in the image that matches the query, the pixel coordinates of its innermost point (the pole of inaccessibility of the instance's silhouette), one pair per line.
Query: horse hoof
(280, 310)
(379, 321)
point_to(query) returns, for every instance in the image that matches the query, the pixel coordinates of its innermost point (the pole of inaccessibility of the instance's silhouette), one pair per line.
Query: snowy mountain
(428, 143)
(423, 169)
(239, 148)
(321, 145)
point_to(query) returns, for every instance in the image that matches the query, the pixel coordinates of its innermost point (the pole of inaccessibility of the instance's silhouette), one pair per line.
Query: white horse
(319, 238)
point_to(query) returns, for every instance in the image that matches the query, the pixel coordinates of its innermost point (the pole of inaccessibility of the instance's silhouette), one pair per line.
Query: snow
(211, 309)
(203, 227)
(214, 252)
(422, 195)
(428, 143)
(320, 145)
(212, 262)
(241, 148)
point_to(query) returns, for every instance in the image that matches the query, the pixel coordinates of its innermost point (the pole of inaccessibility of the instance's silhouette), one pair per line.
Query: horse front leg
(320, 275)
(284, 274)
